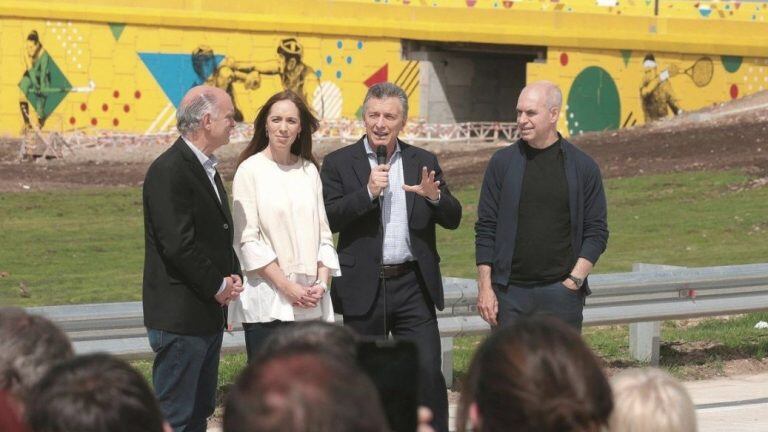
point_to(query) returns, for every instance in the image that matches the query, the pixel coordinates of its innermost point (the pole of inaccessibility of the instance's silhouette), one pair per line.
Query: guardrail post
(446, 344)
(645, 337)
(644, 341)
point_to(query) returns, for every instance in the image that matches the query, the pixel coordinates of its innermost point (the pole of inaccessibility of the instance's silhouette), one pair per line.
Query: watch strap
(578, 281)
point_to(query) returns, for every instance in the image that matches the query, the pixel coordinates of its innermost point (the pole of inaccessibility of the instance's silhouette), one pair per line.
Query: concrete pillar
(447, 356)
(645, 337)
(644, 341)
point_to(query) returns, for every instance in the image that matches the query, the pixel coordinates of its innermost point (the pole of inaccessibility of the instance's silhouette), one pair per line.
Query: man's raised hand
(428, 188)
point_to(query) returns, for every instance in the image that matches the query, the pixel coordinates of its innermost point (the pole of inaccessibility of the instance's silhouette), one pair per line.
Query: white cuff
(327, 255)
(434, 202)
(223, 285)
(664, 75)
(255, 255)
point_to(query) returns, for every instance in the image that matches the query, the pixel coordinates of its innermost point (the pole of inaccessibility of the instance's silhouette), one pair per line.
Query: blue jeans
(185, 375)
(552, 299)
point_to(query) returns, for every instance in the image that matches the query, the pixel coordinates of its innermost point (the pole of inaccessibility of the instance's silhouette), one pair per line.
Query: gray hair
(29, 346)
(554, 97)
(190, 114)
(386, 90)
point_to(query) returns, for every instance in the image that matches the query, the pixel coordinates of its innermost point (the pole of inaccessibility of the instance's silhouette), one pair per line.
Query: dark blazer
(497, 209)
(357, 219)
(188, 245)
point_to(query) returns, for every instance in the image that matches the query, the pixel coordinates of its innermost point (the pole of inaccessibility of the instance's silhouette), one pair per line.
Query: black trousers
(257, 333)
(552, 299)
(403, 309)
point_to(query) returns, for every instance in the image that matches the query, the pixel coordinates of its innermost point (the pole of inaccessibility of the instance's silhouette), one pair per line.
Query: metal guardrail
(651, 293)
(641, 298)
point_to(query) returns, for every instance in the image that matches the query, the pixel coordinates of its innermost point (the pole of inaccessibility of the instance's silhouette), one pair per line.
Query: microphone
(381, 155)
(381, 159)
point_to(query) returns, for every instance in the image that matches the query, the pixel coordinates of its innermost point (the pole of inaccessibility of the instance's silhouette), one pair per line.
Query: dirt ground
(732, 135)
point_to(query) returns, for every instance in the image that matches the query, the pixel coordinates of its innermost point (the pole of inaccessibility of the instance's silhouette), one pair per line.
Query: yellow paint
(678, 27)
(750, 77)
(129, 98)
(592, 32)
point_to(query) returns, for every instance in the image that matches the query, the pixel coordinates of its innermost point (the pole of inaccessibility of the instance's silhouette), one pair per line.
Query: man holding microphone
(384, 198)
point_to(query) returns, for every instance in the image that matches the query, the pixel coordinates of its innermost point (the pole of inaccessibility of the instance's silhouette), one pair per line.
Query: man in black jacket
(541, 219)
(385, 214)
(191, 271)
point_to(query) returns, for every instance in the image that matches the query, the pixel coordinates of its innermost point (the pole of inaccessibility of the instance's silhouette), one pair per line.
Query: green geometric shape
(625, 55)
(593, 102)
(731, 63)
(44, 85)
(117, 30)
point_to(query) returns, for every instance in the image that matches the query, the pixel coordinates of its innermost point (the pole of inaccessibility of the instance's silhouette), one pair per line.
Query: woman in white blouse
(282, 237)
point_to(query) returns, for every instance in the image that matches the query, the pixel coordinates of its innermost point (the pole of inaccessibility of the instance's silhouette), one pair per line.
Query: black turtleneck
(543, 247)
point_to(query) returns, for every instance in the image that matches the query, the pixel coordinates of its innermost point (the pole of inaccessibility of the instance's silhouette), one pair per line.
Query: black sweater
(543, 244)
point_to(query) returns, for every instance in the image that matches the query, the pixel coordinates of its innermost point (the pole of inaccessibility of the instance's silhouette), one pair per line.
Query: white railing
(62, 144)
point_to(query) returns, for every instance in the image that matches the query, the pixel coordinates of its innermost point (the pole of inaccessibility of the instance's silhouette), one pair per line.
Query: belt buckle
(394, 270)
(385, 271)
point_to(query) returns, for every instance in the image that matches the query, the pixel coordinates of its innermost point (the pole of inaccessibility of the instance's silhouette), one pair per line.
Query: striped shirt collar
(209, 163)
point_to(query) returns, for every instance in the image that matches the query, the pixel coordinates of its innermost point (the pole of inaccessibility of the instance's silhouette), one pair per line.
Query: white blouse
(279, 214)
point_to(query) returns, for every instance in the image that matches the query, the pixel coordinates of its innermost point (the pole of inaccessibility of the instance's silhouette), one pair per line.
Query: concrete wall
(461, 86)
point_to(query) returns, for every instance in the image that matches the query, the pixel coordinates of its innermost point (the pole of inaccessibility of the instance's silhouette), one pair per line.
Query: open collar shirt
(394, 211)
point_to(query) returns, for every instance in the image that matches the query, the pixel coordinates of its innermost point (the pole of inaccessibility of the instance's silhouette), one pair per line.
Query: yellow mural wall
(117, 77)
(607, 89)
(122, 65)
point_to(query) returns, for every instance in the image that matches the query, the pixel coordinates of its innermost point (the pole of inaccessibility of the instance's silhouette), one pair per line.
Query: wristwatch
(578, 281)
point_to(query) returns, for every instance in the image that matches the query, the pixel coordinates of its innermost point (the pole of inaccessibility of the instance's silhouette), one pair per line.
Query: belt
(395, 270)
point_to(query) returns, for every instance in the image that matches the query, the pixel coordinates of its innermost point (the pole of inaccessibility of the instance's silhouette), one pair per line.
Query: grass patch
(229, 368)
(69, 247)
(688, 219)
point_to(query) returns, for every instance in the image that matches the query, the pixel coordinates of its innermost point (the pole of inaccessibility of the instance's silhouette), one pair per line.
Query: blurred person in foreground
(191, 272)
(10, 417)
(650, 400)
(335, 342)
(94, 393)
(29, 346)
(534, 375)
(301, 389)
(541, 219)
(282, 235)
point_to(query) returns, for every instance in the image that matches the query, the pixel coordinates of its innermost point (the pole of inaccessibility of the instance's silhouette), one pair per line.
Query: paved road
(733, 404)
